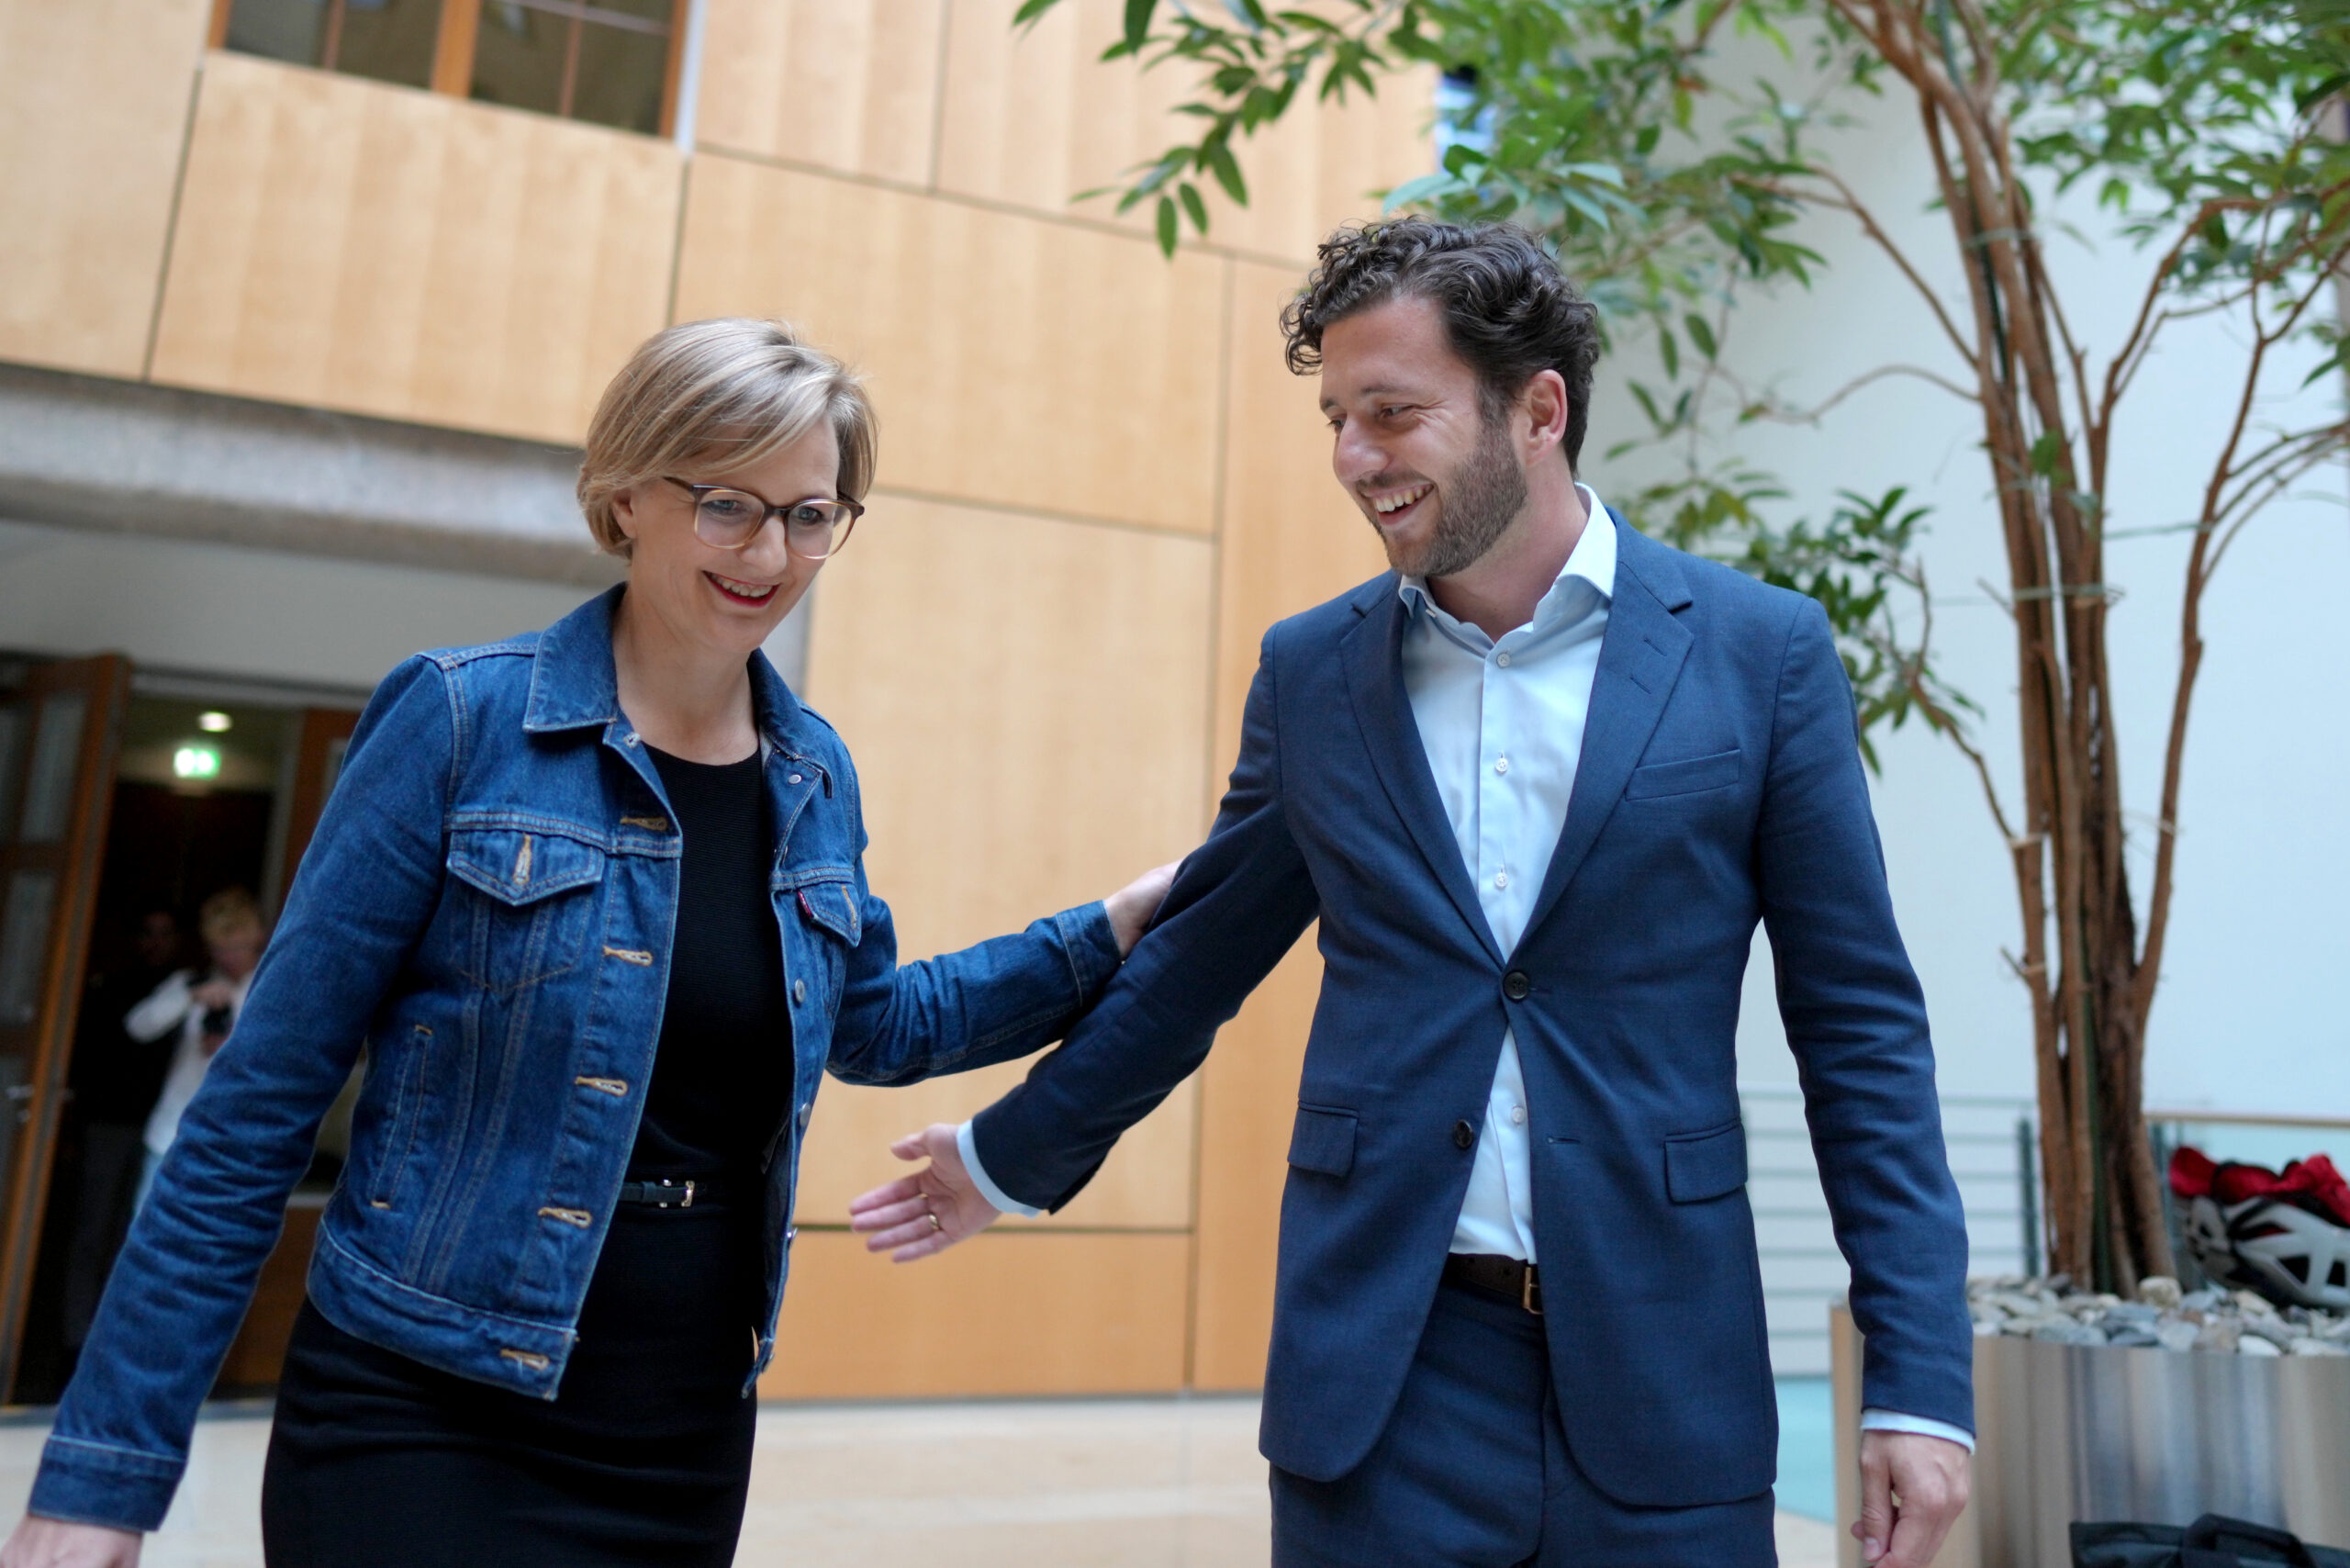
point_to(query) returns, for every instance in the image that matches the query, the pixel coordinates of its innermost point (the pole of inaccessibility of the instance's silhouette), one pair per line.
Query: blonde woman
(594, 900)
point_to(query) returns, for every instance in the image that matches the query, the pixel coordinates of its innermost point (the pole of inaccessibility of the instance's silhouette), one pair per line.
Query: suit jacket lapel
(1374, 656)
(1639, 660)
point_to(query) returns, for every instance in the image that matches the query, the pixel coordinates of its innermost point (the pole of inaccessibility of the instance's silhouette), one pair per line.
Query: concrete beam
(84, 452)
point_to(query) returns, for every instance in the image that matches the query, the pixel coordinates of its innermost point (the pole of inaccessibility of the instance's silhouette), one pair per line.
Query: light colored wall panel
(1291, 539)
(853, 87)
(1034, 116)
(1004, 1312)
(90, 129)
(1017, 361)
(1027, 702)
(1247, 1106)
(408, 254)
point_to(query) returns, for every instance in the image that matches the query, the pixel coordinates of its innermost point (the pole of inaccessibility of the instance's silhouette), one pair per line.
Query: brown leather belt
(1514, 1280)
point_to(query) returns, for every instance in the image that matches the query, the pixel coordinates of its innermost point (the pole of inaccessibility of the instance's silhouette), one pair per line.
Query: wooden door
(59, 736)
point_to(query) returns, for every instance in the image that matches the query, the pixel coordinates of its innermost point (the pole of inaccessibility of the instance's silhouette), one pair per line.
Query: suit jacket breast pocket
(1324, 1141)
(1694, 776)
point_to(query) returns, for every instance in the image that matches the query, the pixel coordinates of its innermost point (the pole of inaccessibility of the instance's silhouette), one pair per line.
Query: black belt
(1514, 1280)
(675, 1195)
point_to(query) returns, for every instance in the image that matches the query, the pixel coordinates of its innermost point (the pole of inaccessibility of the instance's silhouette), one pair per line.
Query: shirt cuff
(970, 1150)
(1894, 1422)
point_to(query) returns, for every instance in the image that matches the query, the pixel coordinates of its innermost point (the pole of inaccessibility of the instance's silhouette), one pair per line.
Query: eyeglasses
(727, 518)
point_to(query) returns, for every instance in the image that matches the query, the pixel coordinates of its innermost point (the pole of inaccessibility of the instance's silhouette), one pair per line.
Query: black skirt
(644, 1458)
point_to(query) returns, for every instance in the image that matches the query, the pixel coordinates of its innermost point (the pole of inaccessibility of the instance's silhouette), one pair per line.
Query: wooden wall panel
(1291, 539)
(1017, 361)
(1027, 700)
(1034, 116)
(1006, 1313)
(408, 254)
(851, 87)
(90, 123)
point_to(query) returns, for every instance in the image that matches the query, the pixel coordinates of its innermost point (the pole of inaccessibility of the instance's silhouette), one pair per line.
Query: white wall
(2254, 1013)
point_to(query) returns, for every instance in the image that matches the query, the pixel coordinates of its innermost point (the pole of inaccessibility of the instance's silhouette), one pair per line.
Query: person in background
(114, 1079)
(203, 1011)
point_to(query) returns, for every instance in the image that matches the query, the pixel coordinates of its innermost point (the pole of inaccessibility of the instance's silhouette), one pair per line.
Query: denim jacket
(487, 906)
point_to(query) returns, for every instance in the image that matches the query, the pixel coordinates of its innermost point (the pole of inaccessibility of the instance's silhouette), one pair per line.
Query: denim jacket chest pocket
(528, 899)
(824, 899)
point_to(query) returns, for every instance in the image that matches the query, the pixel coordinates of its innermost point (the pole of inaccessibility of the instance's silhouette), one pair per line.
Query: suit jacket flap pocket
(1705, 1165)
(1687, 778)
(518, 867)
(1324, 1141)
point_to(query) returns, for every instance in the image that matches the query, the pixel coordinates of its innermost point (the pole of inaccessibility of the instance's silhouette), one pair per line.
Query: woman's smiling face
(724, 599)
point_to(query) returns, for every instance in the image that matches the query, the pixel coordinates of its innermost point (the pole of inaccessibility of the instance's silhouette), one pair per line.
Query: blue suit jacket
(1720, 782)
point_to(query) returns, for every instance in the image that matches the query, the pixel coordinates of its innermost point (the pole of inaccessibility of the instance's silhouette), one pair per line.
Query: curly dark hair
(1507, 308)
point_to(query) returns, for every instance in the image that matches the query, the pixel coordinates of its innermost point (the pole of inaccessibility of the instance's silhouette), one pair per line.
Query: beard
(1475, 507)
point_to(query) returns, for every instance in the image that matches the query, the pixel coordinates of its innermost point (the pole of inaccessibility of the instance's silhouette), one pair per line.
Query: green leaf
(1193, 206)
(1701, 334)
(1227, 170)
(1137, 29)
(1169, 230)
(1670, 352)
(1415, 193)
(1030, 10)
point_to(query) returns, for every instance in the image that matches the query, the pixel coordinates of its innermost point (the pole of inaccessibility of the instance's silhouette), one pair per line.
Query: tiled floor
(1088, 1483)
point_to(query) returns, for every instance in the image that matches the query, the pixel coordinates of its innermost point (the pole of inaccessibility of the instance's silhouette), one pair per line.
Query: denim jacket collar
(573, 685)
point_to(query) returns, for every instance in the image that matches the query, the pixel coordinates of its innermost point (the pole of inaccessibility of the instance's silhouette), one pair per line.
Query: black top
(721, 1078)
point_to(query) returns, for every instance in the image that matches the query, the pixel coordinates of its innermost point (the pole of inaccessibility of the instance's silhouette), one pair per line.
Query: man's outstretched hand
(927, 1211)
(1912, 1487)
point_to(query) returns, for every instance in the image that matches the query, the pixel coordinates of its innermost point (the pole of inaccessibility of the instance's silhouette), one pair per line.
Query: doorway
(212, 795)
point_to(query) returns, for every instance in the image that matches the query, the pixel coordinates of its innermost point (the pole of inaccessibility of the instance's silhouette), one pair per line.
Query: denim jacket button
(799, 993)
(803, 1118)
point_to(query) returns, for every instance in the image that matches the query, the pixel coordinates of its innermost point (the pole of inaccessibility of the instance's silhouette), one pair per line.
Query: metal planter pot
(2067, 1433)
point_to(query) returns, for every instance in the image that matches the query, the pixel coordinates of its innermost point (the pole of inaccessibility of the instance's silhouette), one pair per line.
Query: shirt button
(799, 993)
(1501, 879)
(1464, 1136)
(1517, 1116)
(1501, 764)
(1502, 659)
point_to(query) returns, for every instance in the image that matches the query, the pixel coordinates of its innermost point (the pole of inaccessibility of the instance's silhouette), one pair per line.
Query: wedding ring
(936, 1223)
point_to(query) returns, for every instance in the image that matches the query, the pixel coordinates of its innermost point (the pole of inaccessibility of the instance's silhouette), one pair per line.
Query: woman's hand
(52, 1544)
(1131, 909)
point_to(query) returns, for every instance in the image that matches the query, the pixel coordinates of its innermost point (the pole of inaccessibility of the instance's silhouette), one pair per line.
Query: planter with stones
(2157, 1410)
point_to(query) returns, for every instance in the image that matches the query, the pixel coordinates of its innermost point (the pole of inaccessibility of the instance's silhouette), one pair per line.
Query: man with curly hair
(1538, 783)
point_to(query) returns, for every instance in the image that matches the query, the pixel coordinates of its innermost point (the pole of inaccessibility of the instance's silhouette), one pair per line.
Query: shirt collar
(1593, 559)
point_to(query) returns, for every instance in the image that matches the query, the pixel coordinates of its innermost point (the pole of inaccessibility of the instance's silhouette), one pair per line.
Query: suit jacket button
(1464, 1136)
(1515, 986)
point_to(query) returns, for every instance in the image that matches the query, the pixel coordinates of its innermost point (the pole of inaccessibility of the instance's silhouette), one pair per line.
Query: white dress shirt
(1502, 722)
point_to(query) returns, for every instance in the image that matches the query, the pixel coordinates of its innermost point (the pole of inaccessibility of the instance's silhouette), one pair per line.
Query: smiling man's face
(1410, 442)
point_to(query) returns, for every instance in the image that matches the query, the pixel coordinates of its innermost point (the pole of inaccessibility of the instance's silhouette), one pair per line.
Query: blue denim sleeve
(1856, 1021)
(998, 1001)
(367, 889)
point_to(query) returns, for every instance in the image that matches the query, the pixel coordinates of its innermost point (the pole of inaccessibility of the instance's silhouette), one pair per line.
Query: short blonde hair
(729, 393)
(229, 913)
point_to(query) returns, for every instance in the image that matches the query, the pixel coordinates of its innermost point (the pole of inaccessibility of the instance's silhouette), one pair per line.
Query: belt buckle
(1529, 1292)
(684, 1203)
